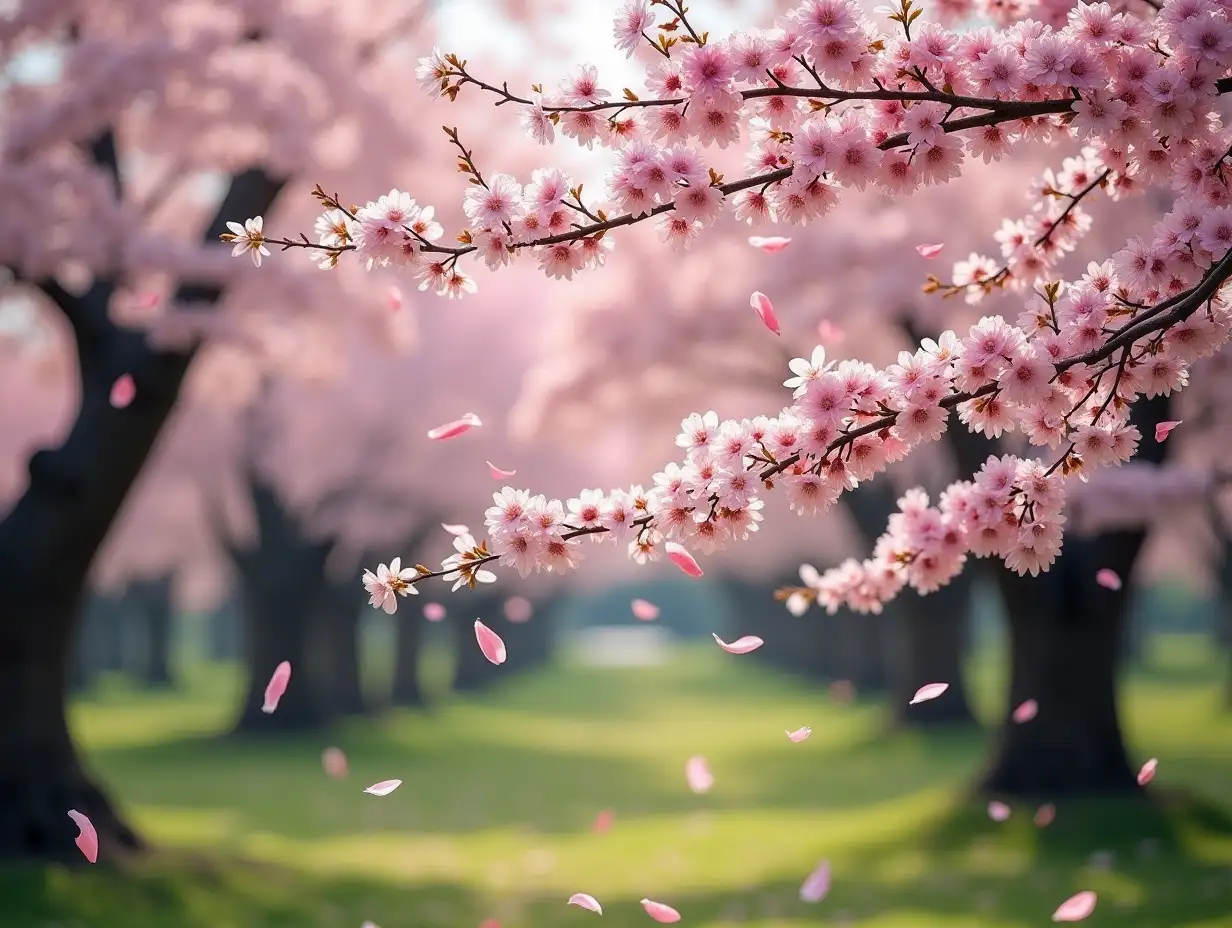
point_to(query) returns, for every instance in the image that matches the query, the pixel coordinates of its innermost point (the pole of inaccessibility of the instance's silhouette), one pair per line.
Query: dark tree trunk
(934, 632)
(49, 540)
(152, 610)
(282, 582)
(340, 627)
(406, 690)
(1223, 603)
(103, 632)
(1066, 634)
(472, 671)
(225, 628)
(529, 643)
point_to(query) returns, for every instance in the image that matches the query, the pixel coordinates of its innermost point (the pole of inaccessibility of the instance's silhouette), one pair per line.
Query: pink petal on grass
(276, 687)
(123, 391)
(518, 610)
(769, 243)
(1163, 428)
(998, 811)
(1108, 578)
(816, 884)
(644, 610)
(740, 645)
(664, 914)
(930, 251)
(456, 530)
(829, 333)
(800, 734)
(455, 428)
(1045, 814)
(490, 643)
(585, 901)
(927, 692)
(697, 774)
(335, 763)
(1147, 773)
(603, 822)
(499, 473)
(1075, 908)
(682, 559)
(434, 612)
(87, 837)
(1026, 712)
(765, 311)
(384, 788)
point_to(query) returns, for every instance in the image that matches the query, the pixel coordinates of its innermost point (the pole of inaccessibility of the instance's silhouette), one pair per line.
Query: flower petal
(458, 530)
(697, 774)
(765, 311)
(664, 914)
(1045, 814)
(930, 251)
(682, 559)
(123, 391)
(335, 763)
(499, 474)
(828, 332)
(769, 243)
(394, 296)
(585, 901)
(740, 645)
(603, 822)
(433, 612)
(1075, 908)
(276, 687)
(928, 691)
(998, 811)
(87, 837)
(1026, 712)
(384, 788)
(1147, 773)
(490, 643)
(1163, 428)
(644, 610)
(800, 734)
(518, 610)
(816, 884)
(1108, 578)
(455, 428)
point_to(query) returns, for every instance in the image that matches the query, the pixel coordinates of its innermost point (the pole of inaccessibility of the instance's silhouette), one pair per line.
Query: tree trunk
(152, 610)
(282, 584)
(406, 690)
(472, 671)
(934, 632)
(1066, 635)
(340, 621)
(1223, 603)
(226, 631)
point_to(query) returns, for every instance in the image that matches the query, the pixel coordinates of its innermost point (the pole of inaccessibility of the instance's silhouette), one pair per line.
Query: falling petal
(335, 763)
(584, 901)
(1045, 814)
(499, 474)
(394, 296)
(1075, 908)
(682, 559)
(123, 391)
(433, 612)
(276, 687)
(1147, 773)
(384, 788)
(87, 837)
(490, 923)
(645, 610)
(817, 884)
(929, 251)
(928, 691)
(458, 530)
(603, 822)
(830, 333)
(1026, 712)
(518, 610)
(664, 914)
(765, 311)
(740, 645)
(490, 643)
(1108, 579)
(369, 925)
(800, 734)
(455, 428)
(998, 811)
(769, 243)
(697, 774)
(1163, 428)
(146, 300)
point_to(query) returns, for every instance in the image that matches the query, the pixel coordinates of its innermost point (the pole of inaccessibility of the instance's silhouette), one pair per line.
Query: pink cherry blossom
(1108, 579)
(769, 243)
(585, 901)
(677, 554)
(1076, 907)
(434, 612)
(1163, 429)
(660, 912)
(644, 610)
(765, 311)
(123, 391)
(800, 734)
(518, 609)
(998, 811)
(697, 774)
(383, 788)
(87, 837)
(740, 645)
(816, 885)
(1147, 773)
(603, 822)
(499, 474)
(1026, 711)
(490, 643)
(277, 685)
(334, 762)
(929, 691)
(929, 251)
(455, 428)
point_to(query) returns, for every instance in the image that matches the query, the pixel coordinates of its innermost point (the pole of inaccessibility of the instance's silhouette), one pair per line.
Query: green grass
(494, 816)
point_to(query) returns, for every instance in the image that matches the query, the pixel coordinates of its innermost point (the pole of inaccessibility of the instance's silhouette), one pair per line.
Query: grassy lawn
(493, 820)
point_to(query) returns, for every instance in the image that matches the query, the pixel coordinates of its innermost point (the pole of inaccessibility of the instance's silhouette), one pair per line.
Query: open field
(494, 817)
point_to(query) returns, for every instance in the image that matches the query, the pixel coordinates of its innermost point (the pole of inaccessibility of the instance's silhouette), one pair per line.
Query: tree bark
(406, 690)
(281, 584)
(340, 625)
(934, 631)
(472, 671)
(1066, 635)
(152, 609)
(49, 540)
(1223, 603)
(225, 630)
